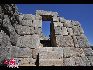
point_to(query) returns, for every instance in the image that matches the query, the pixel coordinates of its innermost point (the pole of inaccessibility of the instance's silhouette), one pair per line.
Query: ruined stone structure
(21, 37)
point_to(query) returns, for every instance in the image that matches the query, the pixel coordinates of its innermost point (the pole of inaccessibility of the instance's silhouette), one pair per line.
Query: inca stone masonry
(21, 37)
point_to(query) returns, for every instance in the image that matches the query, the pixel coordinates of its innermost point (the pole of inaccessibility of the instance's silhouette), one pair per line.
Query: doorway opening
(49, 39)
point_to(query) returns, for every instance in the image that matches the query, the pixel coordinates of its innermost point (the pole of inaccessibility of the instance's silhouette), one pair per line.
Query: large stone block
(31, 41)
(62, 20)
(64, 31)
(28, 17)
(76, 30)
(58, 30)
(35, 53)
(56, 24)
(68, 52)
(27, 22)
(70, 31)
(37, 23)
(4, 39)
(69, 61)
(91, 60)
(45, 49)
(88, 51)
(50, 55)
(21, 52)
(24, 30)
(71, 51)
(64, 41)
(67, 24)
(79, 61)
(42, 12)
(82, 41)
(51, 62)
(26, 61)
(38, 30)
(55, 19)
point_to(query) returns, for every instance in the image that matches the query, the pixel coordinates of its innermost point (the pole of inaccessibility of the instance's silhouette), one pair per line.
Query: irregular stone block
(79, 52)
(81, 30)
(34, 53)
(62, 20)
(91, 60)
(27, 22)
(26, 61)
(67, 24)
(68, 52)
(70, 31)
(82, 41)
(55, 19)
(76, 30)
(33, 61)
(38, 30)
(56, 24)
(58, 30)
(21, 52)
(28, 17)
(37, 23)
(50, 62)
(53, 54)
(67, 41)
(86, 60)
(64, 31)
(42, 12)
(88, 51)
(79, 61)
(45, 49)
(69, 61)
(31, 41)
(24, 30)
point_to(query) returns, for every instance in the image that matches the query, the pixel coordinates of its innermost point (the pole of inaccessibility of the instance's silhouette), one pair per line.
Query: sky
(79, 12)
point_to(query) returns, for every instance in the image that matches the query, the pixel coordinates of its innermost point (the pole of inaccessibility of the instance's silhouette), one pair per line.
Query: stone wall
(21, 36)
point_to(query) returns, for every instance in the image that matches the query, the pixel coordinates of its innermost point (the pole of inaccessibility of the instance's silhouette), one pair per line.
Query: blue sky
(80, 12)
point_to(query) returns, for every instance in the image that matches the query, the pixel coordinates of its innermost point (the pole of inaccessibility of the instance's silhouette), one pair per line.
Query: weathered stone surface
(62, 20)
(70, 31)
(56, 24)
(28, 17)
(88, 51)
(79, 61)
(4, 39)
(50, 55)
(58, 31)
(27, 22)
(34, 53)
(24, 30)
(21, 52)
(76, 30)
(38, 30)
(64, 41)
(55, 19)
(71, 51)
(69, 61)
(45, 49)
(67, 24)
(91, 60)
(30, 41)
(37, 23)
(64, 31)
(50, 62)
(42, 12)
(26, 61)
